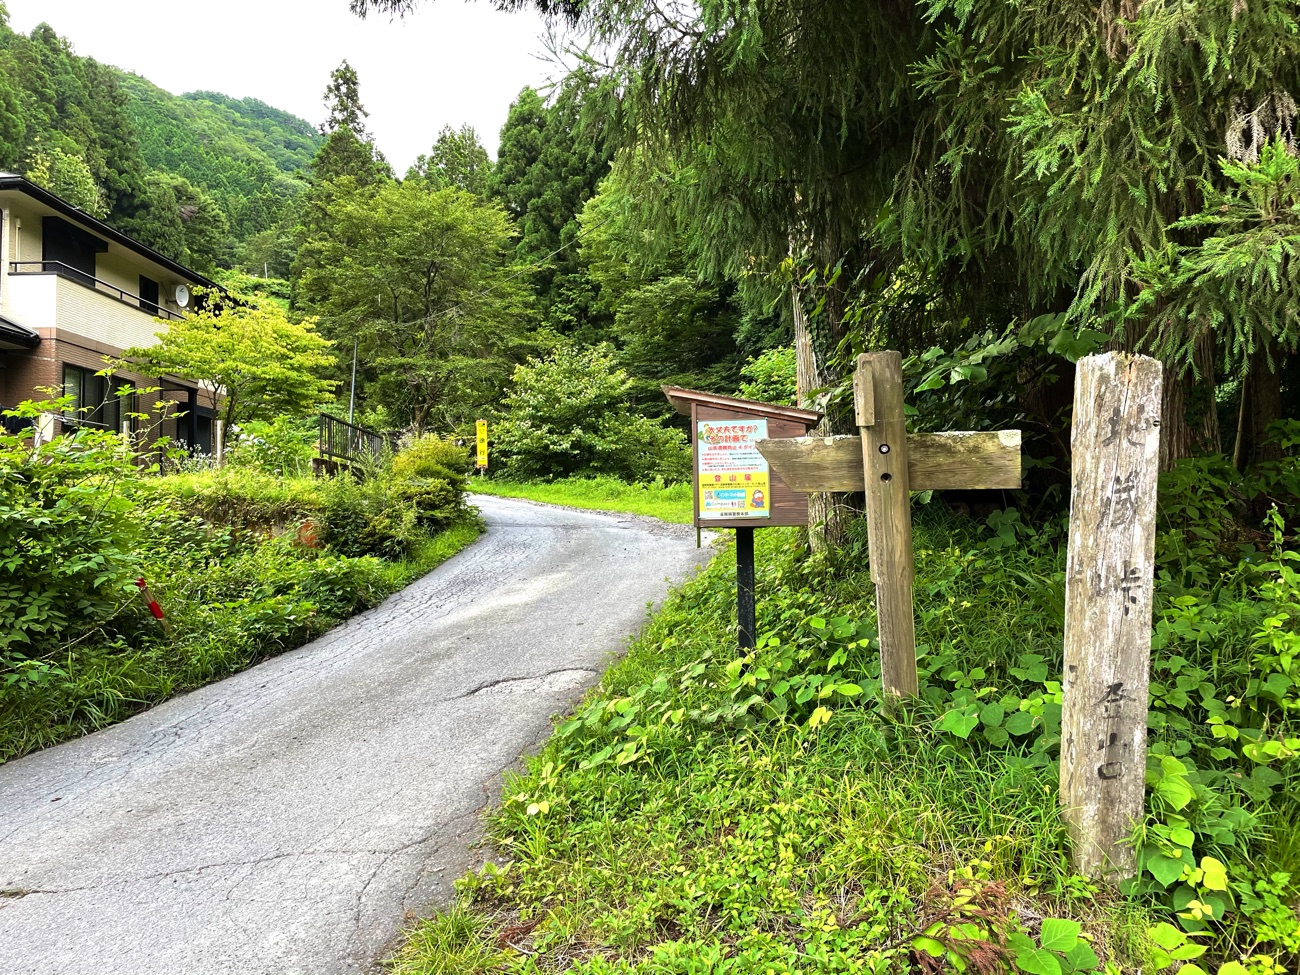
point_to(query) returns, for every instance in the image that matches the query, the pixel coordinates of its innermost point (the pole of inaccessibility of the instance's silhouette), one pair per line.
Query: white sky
(452, 62)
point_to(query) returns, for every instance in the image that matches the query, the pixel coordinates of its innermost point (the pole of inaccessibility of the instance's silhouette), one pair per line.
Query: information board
(732, 475)
(482, 459)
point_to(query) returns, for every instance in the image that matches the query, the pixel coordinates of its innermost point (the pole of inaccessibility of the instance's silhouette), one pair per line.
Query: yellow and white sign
(732, 475)
(482, 460)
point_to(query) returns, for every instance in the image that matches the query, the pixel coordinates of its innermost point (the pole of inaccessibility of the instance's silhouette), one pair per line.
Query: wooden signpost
(1115, 444)
(733, 485)
(888, 464)
(1109, 579)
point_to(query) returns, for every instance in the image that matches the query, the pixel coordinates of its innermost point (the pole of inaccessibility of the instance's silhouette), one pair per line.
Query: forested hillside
(203, 178)
(251, 159)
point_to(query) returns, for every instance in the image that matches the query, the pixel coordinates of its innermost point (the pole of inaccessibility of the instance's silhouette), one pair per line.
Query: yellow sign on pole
(482, 461)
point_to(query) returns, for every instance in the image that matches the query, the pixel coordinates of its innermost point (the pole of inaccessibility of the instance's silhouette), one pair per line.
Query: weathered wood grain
(884, 465)
(935, 461)
(1108, 596)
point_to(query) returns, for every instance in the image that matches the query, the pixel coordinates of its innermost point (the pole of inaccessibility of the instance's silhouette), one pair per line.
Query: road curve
(286, 820)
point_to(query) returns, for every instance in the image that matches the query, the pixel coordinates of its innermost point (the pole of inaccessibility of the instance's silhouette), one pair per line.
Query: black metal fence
(346, 443)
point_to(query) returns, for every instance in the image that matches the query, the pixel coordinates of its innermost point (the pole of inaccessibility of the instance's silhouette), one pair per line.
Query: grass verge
(666, 502)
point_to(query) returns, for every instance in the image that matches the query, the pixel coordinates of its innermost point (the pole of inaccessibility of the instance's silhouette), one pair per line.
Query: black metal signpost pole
(745, 586)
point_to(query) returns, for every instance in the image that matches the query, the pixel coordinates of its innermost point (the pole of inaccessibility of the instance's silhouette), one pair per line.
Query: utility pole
(352, 396)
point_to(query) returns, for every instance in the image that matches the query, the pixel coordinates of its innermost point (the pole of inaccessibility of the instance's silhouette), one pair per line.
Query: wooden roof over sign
(683, 399)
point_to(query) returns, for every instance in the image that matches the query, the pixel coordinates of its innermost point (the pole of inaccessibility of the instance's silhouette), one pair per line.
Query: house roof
(15, 336)
(11, 181)
(681, 399)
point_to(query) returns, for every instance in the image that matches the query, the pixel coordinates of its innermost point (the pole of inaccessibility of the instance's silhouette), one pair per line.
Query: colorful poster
(482, 444)
(732, 475)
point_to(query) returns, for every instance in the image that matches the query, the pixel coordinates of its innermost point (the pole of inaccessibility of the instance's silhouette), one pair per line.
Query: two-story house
(74, 290)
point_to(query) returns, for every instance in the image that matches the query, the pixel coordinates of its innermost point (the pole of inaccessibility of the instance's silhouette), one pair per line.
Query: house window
(149, 295)
(69, 250)
(96, 400)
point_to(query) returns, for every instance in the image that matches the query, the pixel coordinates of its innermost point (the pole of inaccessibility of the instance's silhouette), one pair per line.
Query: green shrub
(368, 517)
(568, 415)
(771, 377)
(431, 456)
(283, 446)
(69, 544)
(429, 474)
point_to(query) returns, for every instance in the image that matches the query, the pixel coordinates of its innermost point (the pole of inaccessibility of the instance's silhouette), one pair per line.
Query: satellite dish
(182, 295)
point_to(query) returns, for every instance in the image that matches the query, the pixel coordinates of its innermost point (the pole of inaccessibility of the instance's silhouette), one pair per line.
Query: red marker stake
(150, 601)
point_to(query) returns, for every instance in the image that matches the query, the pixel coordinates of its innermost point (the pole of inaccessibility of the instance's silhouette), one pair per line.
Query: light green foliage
(568, 415)
(69, 547)
(430, 473)
(420, 277)
(264, 363)
(238, 496)
(67, 176)
(668, 502)
(1241, 281)
(282, 447)
(770, 378)
(457, 159)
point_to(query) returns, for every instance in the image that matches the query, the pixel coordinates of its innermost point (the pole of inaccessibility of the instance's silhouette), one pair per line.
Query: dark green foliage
(436, 347)
(194, 176)
(368, 516)
(250, 159)
(549, 162)
(343, 154)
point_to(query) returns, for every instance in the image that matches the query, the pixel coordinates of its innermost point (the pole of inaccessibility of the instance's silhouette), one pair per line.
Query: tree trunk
(1191, 416)
(829, 515)
(1261, 391)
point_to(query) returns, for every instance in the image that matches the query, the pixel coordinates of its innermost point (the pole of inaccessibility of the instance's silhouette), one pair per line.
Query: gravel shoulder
(290, 819)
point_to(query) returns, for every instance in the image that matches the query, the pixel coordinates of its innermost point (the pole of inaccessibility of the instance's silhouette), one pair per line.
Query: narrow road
(292, 818)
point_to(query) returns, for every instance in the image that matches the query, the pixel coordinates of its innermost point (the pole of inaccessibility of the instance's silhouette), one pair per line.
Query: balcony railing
(94, 283)
(344, 442)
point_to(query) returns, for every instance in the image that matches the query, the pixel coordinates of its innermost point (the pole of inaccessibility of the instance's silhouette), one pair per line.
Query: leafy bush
(770, 378)
(430, 475)
(568, 415)
(368, 517)
(283, 446)
(69, 544)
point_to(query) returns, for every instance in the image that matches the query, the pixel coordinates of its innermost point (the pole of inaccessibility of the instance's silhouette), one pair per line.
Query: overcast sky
(453, 62)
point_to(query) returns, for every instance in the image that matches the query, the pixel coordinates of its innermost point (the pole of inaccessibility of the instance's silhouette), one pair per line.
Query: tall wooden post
(878, 401)
(1108, 597)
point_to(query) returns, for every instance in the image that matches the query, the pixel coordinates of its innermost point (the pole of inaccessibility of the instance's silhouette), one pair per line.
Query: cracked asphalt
(292, 818)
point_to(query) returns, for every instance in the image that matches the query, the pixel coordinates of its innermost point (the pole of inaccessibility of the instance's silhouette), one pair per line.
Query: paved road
(287, 819)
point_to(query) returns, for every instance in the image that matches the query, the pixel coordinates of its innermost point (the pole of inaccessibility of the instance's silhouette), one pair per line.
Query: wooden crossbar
(935, 461)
